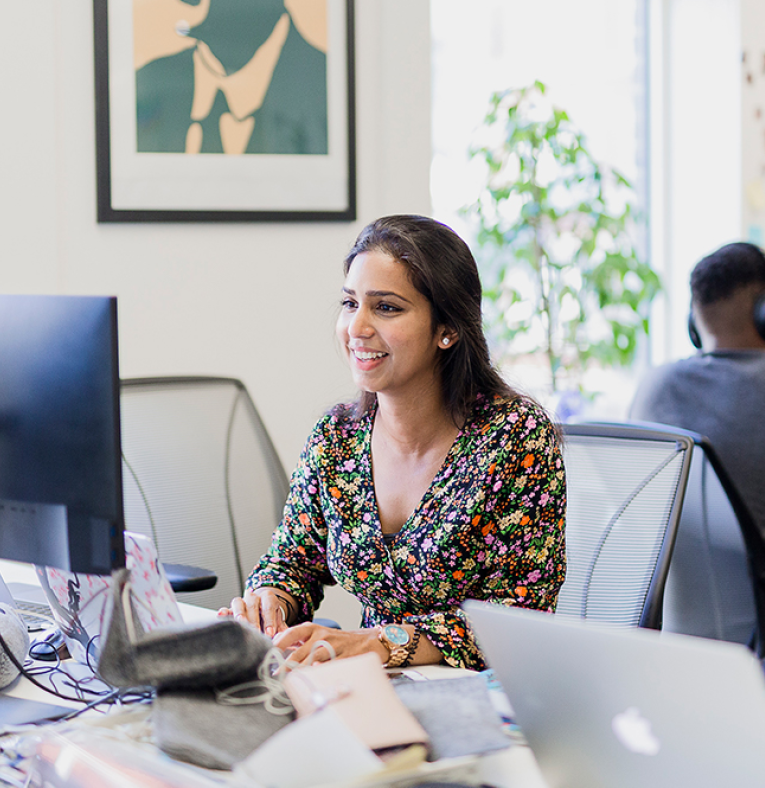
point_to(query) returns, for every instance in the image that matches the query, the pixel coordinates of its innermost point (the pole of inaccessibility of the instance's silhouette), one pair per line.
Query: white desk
(512, 768)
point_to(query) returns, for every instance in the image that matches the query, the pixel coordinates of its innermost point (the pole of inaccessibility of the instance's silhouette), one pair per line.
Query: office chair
(714, 588)
(201, 477)
(625, 492)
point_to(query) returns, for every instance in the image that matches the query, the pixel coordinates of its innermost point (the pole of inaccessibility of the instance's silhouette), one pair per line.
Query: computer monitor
(60, 462)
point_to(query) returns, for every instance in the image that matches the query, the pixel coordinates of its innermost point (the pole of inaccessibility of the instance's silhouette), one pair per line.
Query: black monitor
(60, 462)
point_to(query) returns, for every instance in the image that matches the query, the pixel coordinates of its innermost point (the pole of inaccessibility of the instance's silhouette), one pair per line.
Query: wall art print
(224, 110)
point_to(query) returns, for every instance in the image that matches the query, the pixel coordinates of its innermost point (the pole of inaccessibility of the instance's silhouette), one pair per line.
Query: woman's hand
(299, 642)
(264, 608)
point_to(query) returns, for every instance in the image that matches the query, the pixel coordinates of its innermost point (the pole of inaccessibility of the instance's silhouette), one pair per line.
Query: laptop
(78, 602)
(603, 707)
(29, 602)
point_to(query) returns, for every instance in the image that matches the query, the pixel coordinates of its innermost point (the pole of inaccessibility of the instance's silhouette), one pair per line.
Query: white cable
(270, 673)
(127, 610)
(316, 646)
(273, 697)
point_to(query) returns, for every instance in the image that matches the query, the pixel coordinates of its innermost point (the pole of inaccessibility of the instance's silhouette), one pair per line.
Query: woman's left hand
(300, 641)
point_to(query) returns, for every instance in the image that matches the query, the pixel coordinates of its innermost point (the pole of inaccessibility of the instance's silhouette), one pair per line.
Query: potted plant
(556, 233)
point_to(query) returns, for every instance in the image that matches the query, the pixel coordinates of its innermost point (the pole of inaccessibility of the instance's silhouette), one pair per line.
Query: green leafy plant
(556, 242)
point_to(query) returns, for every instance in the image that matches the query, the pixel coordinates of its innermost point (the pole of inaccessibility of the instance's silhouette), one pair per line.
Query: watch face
(396, 634)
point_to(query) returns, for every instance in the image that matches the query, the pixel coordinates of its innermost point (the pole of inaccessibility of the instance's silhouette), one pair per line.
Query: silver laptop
(29, 602)
(604, 707)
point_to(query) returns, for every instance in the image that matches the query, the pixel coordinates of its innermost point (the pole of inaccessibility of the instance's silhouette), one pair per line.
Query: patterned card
(78, 601)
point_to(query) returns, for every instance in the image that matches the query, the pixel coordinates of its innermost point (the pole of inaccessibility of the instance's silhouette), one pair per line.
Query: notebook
(603, 707)
(78, 602)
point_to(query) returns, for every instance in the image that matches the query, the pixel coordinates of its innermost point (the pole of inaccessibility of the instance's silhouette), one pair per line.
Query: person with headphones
(720, 391)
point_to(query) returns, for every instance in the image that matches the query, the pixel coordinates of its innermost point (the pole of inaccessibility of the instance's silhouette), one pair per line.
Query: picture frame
(199, 121)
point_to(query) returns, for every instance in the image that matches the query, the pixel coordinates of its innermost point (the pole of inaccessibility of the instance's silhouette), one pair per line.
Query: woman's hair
(443, 269)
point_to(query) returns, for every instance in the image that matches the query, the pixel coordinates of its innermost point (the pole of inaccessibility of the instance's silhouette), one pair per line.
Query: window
(591, 56)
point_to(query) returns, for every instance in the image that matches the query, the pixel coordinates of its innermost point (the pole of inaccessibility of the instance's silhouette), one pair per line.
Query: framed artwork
(224, 110)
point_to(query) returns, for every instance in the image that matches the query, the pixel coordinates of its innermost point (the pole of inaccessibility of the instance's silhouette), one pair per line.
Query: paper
(316, 750)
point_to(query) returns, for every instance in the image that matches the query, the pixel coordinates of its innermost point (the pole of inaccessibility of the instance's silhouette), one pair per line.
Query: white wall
(254, 301)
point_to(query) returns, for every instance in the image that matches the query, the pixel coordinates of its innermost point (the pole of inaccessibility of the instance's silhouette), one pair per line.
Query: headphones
(758, 316)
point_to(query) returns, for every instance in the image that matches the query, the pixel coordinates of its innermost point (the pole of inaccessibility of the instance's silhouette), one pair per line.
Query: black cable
(23, 671)
(97, 702)
(77, 685)
(119, 695)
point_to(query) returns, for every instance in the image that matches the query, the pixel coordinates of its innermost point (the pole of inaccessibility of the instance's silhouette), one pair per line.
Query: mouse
(49, 646)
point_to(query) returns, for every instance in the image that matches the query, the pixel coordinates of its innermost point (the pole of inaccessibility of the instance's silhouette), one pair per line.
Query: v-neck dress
(490, 526)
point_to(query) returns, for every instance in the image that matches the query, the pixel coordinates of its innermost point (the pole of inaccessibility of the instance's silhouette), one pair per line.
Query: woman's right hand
(263, 608)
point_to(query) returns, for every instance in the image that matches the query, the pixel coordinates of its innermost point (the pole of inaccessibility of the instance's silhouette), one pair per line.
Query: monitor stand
(34, 533)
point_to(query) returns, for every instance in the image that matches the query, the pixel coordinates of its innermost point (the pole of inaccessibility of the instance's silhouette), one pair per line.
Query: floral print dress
(490, 526)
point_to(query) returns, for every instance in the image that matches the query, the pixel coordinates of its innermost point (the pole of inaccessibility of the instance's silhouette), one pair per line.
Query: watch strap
(411, 648)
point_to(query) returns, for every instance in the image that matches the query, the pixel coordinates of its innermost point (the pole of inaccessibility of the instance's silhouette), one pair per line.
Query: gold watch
(395, 639)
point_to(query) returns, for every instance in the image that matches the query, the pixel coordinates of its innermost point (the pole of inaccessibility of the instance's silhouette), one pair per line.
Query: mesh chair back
(709, 588)
(714, 589)
(201, 476)
(625, 490)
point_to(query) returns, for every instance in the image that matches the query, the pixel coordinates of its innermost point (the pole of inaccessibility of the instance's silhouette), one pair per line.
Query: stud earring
(445, 341)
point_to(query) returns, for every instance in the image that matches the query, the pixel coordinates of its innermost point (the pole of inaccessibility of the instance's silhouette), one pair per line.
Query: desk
(512, 768)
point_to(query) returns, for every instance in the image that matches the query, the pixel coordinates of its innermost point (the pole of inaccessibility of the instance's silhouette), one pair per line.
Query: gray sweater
(722, 396)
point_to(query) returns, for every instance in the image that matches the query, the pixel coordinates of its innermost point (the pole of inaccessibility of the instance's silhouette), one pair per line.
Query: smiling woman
(385, 327)
(439, 484)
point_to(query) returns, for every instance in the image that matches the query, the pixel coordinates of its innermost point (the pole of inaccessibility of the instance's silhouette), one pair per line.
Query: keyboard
(35, 615)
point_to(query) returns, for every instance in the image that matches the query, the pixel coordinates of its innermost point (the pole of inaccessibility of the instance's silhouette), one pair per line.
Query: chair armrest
(189, 578)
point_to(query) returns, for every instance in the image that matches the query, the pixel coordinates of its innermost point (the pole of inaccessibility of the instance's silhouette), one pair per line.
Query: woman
(440, 484)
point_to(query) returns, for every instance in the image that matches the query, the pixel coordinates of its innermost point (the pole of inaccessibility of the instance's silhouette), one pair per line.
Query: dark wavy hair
(724, 271)
(442, 268)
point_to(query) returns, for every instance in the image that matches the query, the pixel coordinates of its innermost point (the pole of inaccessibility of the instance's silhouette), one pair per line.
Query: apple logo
(634, 731)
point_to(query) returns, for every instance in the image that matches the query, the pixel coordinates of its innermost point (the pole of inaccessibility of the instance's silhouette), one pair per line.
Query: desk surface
(512, 768)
